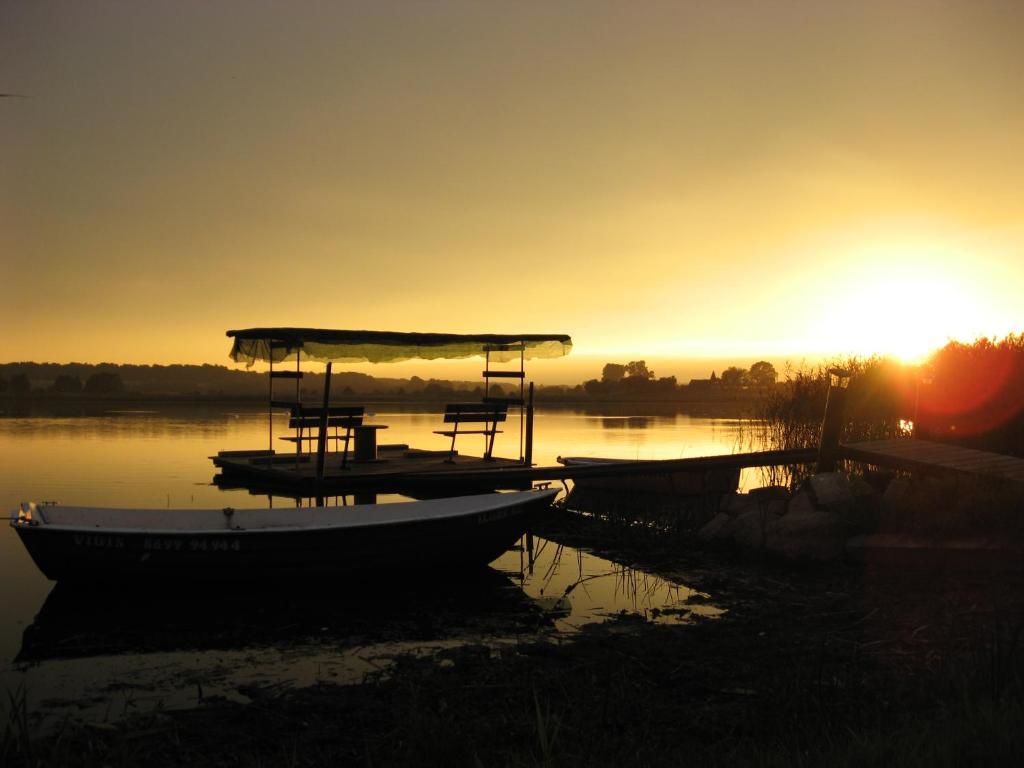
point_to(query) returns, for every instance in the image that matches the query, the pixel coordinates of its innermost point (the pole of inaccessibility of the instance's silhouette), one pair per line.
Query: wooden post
(270, 402)
(832, 423)
(528, 452)
(321, 443)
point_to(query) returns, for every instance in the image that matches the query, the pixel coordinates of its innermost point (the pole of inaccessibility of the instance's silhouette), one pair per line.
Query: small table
(366, 441)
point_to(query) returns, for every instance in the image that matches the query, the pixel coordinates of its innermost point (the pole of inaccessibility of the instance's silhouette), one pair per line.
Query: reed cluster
(879, 404)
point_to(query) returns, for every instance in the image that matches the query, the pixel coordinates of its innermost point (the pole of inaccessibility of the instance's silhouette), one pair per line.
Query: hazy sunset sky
(691, 178)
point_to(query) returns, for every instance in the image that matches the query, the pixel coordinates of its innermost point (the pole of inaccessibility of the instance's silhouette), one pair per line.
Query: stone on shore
(806, 532)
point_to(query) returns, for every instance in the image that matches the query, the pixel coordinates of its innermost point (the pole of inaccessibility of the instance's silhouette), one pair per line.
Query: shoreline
(810, 665)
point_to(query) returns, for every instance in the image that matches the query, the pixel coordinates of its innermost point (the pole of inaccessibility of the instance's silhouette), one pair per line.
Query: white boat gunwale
(436, 509)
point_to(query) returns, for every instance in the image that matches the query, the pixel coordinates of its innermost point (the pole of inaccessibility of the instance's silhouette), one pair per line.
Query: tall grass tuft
(879, 404)
(16, 741)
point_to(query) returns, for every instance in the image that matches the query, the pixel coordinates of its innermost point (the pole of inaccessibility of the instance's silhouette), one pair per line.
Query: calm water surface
(104, 655)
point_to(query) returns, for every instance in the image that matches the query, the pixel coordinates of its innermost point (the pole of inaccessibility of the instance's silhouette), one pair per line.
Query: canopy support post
(528, 453)
(270, 405)
(321, 443)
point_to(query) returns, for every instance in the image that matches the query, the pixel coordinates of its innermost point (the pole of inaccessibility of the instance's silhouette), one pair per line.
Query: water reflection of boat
(184, 544)
(661, 480)
(75, 622)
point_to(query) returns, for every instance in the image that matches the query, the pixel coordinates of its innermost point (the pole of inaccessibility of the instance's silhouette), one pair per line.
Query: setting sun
(905, 301)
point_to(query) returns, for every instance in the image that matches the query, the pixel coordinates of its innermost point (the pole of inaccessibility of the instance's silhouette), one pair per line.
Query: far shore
(49, 403)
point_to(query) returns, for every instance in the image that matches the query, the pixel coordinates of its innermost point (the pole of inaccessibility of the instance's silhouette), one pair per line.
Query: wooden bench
(306, 420)
(488, 415)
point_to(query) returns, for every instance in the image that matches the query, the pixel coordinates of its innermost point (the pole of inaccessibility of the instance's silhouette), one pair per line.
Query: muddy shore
(833, 664)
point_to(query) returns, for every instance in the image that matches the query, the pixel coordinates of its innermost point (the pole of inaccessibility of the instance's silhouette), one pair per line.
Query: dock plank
(923, 455)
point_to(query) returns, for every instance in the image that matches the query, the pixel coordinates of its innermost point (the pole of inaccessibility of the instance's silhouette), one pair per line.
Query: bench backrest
(458, 413)
(346, 416)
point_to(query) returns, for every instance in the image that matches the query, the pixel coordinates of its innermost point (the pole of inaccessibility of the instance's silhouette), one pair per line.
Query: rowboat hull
(275, 544)
(668, 482)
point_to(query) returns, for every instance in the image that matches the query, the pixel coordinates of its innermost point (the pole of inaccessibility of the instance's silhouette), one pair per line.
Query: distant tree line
(634, 380)
(212, 382)
(72, 380)
(628, 381)
(760, 374)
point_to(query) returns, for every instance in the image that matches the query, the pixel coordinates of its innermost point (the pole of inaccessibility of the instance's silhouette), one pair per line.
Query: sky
(723, 180)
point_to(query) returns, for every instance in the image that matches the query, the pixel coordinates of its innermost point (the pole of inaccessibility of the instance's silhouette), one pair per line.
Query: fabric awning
(282, 344)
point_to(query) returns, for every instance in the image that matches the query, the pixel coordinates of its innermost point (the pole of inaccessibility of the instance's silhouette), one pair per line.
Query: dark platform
(397, 468)
(929, 457)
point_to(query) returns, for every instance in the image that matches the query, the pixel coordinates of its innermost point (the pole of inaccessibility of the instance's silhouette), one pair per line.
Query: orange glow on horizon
(906, 301)
(798, 180)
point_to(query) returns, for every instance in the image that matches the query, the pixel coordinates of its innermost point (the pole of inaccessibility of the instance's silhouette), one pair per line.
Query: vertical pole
(487, 371)
(528, 453)
(832, 423)
(297, 409)
(321, 443)
(270, 401)
(522, 406)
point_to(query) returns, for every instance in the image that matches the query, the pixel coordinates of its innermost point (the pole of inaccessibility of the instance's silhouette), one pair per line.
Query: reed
(16, 741)
(879, 405)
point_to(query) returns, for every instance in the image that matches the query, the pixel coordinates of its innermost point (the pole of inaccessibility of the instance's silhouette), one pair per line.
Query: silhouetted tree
(974, 393)
(734, 377)
(637, 369)
(20, 385)
(613, 373)
(666, 385)
(104, 384)
(437, 390)
(3, 384)
(67, 385)
(762, 374)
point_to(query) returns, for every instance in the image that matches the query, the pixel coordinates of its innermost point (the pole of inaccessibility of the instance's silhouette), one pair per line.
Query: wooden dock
(394, 470)
(934, 458)
(402, 469)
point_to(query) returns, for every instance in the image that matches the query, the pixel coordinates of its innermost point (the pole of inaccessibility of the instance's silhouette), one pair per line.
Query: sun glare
(905, 307)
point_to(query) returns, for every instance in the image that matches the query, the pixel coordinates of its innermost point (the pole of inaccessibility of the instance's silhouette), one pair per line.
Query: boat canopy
(281, 344)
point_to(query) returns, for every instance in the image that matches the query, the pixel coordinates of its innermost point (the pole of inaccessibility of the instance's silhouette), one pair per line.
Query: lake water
(102, 655)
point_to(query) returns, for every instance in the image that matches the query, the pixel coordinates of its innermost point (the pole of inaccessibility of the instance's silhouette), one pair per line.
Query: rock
(769, 493)
(831, 490)
(715, 528)
(865, 514)
(775, 507)
(860, 488)
(806, 533)
(772, 499)
(749, 529)
(734, 503)
(801, 503)
(879, 479)
(896, 496)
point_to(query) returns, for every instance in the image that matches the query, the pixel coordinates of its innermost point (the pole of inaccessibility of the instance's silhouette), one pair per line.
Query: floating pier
(395, 469)
(403, 469)
(935, 458)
